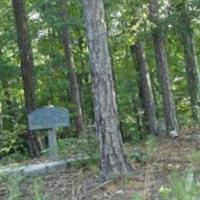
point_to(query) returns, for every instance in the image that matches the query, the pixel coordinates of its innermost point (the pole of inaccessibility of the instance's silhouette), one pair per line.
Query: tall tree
(162, 67)
(191, 63)
(74, 84)
(113, 161)
(1, 118)
(145, 84)
(26, 59)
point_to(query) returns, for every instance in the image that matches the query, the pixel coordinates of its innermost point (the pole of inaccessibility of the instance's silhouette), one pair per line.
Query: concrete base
(41, 169)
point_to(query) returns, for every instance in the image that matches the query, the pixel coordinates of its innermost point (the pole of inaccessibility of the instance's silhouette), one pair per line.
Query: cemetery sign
(50, 118)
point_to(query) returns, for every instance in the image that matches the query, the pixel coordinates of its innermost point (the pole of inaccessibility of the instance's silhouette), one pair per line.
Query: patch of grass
(150, 147)
(13, 158)
(194, 158)
(12, 182)
(88, 145)
(67, 146)
(38, 189)
(16, 157)
(138, 156)
(136, 196)
(182, 187)
(146, 155)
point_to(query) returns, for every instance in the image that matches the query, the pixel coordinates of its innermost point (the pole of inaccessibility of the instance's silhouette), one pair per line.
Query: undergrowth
(182, 187)
(12, 183)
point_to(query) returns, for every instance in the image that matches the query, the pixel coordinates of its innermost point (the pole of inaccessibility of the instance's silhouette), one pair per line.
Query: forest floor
(153, 162)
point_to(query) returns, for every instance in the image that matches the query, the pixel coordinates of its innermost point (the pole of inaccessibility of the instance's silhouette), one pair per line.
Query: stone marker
(50, 118)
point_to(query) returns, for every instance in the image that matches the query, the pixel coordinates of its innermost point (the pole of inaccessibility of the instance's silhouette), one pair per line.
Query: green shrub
(131, 131)
(12, 141)
(150, 147)
(86, 145)
(12, 182)
(67, 145)
(181, 187)
(37, 189)
(136, 196)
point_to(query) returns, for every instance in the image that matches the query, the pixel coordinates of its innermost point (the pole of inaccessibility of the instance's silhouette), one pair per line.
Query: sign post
(49, 118)
(53, 154)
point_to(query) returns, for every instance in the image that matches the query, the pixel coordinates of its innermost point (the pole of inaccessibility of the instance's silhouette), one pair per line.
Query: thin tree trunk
(1, 118)
(145, 84)
(138, 118)
(190, 63)
(162, 67)
(85, 83)
(82, 77)
(113, 161)
(26, 59)
(74, 84)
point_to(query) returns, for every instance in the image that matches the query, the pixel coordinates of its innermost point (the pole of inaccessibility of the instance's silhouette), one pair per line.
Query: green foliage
(182, 187)
(67, 146)
(86, 145)
(139, 157)
(131, 130)
(16, 157)
(148, 154)
(136, 197)
(37, 189)
(12, 142)
(13, 182)
(150, 147)
(194, 158)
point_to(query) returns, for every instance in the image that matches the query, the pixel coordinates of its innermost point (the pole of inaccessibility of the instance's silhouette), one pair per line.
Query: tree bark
(113, 161)
(162, 67)
(190, 62)
(145, 84)
(26, 59)
(1, 119)
(85, 82)
(74, 84)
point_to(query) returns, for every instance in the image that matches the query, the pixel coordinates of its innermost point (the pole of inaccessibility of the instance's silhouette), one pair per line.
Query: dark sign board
(48, 117)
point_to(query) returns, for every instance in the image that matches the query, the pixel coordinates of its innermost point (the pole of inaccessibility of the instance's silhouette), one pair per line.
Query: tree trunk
(190, 63)
(162, 67)
(1, 119)
(146, 90)
(113, 161)
(85, 82)
(74, 85)
(26, 59)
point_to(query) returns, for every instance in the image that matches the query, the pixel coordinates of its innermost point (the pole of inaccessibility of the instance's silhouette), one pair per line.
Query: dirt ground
(81, 183)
